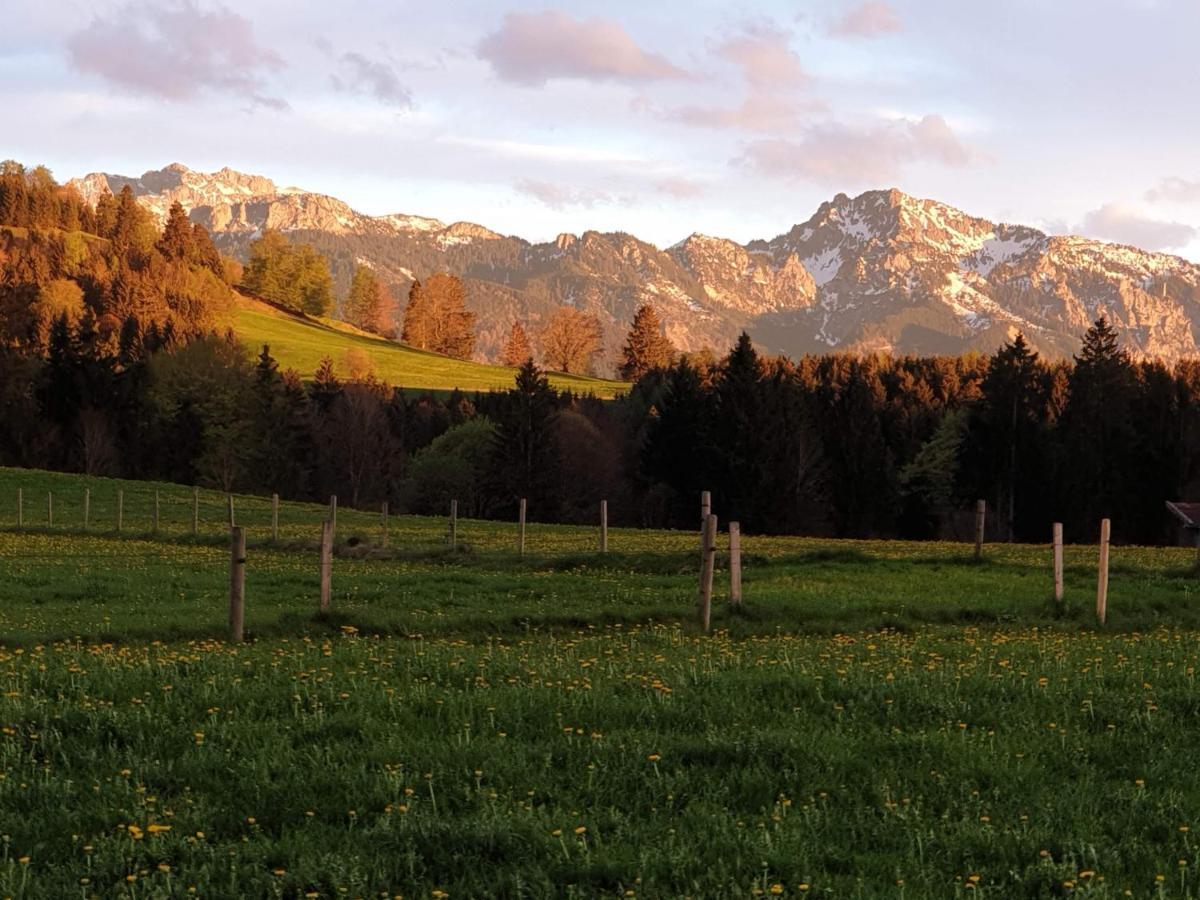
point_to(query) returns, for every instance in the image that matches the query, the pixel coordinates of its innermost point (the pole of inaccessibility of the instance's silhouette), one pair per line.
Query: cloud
(835, 154)
(761, 113)
(1125, 225)
(376, 79)
(678, 187)
(560, 197)
(867, 20)
(764, 54)
(533, 48)
(1175, 190)
(176, 51)
(773, 75)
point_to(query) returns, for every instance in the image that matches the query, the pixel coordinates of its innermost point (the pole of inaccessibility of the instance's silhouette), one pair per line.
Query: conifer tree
(364, 303)
(176, 240)
(646, 347)
(524, 455)
(517, 348)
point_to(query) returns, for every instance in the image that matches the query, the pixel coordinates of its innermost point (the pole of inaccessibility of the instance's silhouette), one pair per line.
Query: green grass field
(300, 345)
(883, 719)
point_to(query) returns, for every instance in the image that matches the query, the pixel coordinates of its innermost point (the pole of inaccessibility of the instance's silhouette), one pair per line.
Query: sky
(660, 119)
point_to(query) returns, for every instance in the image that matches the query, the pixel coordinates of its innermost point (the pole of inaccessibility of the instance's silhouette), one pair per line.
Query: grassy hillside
(883, 719)
(300, 344)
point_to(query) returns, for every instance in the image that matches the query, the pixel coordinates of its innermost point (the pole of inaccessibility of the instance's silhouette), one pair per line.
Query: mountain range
(880, 272)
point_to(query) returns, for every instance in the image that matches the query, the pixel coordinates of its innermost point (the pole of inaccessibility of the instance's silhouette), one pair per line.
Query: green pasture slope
(301, 345)
(884, 719)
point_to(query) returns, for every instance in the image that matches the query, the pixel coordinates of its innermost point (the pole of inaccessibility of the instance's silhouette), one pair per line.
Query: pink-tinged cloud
(1175, 190)
(1125, 225)
(764, 54)
(176, 51)
(868, 20)
(533, 48)
(560, 197)
(373, 78)
(837, 154)
(775, 81)
(764, 113)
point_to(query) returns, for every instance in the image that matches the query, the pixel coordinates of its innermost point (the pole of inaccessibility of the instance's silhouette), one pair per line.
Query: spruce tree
(517, 348)
(646, 347)
(176, 240)
(523, 461)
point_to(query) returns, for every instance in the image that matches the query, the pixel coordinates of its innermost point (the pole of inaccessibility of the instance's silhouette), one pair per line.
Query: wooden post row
(1058, 562)
(453, 524)
(735, 563)
(275, 518)
(232, 518)
(1102, 579)
(603, 526)
(521, 527)
(708, 556)
(237, 583)
(705, 512)
(980, 526)
(87, 507)
(326, 563)
(333, 512)
(155, 529)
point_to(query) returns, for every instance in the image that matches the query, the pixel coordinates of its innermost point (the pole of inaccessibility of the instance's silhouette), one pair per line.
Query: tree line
(835, 445)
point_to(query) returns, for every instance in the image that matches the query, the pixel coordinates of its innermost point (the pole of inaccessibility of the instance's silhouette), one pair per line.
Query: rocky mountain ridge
(879, 272)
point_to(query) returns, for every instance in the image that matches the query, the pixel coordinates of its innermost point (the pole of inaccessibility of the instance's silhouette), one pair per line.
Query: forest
(114, 360)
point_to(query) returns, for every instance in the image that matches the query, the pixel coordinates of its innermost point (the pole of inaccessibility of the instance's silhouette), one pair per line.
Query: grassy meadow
(301, 345)
(881, 720)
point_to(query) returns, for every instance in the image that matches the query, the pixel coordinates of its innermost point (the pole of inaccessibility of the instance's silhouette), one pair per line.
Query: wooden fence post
(1058, 562)
(708, 536)
(735, 563)
(603, 526)
(1102, 580)
(232, 517)
(49, 508)
(705, 512)
(20, 507)
(453, 524)
(195, 511)
(237, 583)
(326, 563)
(275, 518)
(980, 525)
(155, 512)
(87, 507)
(333, 512)
(384, 515)
(120, 509)
(521, 529)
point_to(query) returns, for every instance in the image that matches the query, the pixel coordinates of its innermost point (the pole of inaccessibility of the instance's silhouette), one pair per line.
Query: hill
(300, 343)
(882, 271)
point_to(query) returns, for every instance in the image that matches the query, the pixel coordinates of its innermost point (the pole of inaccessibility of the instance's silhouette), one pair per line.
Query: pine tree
(364, 303)
(646, 347)
(517, 348)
